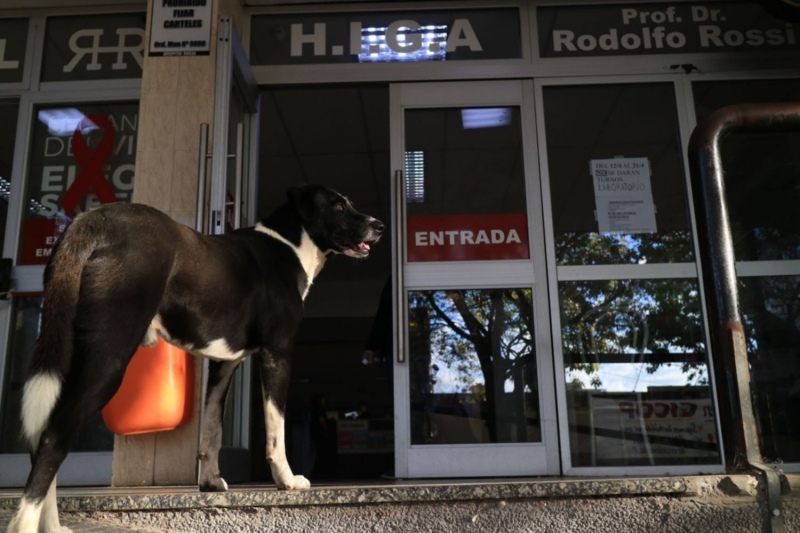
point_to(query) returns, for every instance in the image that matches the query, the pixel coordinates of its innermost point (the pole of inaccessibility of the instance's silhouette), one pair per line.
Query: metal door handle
(400, 300)
(203, 157)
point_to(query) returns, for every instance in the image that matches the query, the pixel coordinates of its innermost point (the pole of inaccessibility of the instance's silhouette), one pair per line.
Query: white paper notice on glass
(623, 195)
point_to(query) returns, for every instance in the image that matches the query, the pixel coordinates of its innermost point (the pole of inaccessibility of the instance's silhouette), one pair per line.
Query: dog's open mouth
(359, 249)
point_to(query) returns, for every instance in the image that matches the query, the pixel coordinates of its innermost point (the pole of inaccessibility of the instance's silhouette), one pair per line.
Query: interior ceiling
(338, 137)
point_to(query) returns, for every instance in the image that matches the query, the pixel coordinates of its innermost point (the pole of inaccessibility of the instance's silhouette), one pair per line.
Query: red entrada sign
(468, 237)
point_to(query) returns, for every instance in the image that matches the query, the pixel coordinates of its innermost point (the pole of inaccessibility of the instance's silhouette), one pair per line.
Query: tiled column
(177, 97)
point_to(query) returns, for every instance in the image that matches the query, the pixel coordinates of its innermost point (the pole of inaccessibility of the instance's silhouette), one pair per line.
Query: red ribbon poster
(40, 234)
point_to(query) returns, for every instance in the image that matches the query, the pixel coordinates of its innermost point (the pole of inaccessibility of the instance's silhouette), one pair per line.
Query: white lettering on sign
(401, 36)
(5, 63)
(680, 29)
(466, 237)
(94, 49)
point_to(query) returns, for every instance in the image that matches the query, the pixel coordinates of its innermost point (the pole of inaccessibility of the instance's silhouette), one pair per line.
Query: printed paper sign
(623, 196)
(643, 428)
(181, 28)
(468, 237)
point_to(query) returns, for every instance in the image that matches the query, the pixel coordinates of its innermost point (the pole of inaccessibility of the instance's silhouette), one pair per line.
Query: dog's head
(332, 222)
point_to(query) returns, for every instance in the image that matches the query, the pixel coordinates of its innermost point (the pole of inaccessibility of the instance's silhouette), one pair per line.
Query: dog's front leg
(275, 376)
(219, 380)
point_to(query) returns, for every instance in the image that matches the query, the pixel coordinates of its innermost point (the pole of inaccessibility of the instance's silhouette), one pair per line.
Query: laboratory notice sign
(623, 196)
(181, 28)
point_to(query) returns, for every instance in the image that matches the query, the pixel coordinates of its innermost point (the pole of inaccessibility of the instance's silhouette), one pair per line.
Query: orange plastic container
(156, 393)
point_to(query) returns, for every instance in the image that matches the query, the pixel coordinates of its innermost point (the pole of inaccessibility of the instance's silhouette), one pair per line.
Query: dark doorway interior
(338, 137)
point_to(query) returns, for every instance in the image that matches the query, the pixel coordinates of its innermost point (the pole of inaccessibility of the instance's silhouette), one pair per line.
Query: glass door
(633, 372)
(231, 194)
(473, 367)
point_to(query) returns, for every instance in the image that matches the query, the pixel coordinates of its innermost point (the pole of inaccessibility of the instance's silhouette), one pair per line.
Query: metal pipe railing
(737, 419)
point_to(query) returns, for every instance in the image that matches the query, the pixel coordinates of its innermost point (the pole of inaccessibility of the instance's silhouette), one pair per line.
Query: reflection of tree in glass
(593, 248)
(647, 320)
(483, 333)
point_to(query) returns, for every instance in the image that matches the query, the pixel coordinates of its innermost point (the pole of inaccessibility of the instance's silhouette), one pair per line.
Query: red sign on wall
(468, 237)
(38, 237)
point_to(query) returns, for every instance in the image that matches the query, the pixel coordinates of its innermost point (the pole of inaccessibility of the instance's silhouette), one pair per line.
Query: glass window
(12, 49)
(94, 47)
(629, 123)
(762, 171)
(465, 184)
(771, 315)
(637, 381)
(472, 367)
(762, 185)
(9, 110)
(81, 156)
(24, 332)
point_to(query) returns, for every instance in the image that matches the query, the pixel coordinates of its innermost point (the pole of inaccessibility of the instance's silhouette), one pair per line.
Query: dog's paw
(295, 483)
(216, 484)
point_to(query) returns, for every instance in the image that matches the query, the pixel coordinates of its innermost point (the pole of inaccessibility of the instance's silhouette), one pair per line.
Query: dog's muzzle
(361, 247)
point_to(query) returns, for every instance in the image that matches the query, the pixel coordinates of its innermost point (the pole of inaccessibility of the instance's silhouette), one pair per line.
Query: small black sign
(645, 28)
(386, 37)
(98, 47)
(13, 41)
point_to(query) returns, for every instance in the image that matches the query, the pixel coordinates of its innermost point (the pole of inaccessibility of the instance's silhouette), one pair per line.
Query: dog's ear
(303, 198)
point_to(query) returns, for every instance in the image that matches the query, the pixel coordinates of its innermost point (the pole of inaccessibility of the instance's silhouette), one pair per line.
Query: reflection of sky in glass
(632, 377)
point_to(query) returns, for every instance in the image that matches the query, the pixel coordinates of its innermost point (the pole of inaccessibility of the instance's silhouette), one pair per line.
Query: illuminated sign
(386, 37)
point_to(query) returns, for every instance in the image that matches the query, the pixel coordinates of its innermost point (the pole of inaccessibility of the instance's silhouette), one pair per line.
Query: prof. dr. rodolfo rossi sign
(467, 237)
(642, 28)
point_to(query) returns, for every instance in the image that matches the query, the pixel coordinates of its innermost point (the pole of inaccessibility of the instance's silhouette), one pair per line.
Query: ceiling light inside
(485, 117)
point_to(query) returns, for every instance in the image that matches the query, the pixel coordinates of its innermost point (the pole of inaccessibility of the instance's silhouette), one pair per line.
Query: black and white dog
(124, 274)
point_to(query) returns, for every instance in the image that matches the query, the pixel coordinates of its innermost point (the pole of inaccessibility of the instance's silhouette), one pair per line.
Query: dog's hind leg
(37, 509)
(219, 380)
(274, 387)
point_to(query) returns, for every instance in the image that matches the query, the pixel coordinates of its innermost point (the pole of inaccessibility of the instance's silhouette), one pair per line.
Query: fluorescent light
(485, 117)
(64, 122)
(428, 44)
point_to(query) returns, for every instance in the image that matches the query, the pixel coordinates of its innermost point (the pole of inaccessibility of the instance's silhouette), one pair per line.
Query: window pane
(607, 122)
(24, 332)
(465, 185)
(771, 314)
(762, 171)
(81, 156)
(472, 367)
(636, 373)
(9, 109)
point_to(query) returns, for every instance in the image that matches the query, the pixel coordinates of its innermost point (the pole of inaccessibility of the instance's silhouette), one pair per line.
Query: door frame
(79, 468)
(689, 270)
(233, 74)
(462, 460)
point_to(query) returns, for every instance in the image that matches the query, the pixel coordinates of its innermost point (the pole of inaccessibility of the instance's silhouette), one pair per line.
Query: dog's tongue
(363, 246)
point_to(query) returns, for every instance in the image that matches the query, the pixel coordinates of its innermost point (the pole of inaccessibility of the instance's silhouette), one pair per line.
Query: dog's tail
(53, 353)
